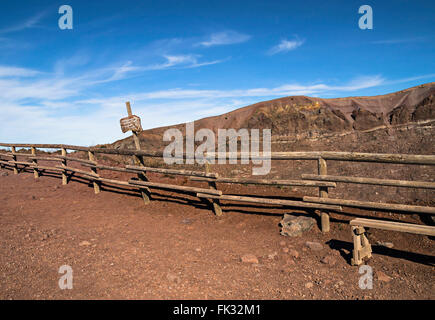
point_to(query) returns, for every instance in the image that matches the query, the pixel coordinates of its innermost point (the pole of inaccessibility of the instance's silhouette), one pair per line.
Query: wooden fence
(321, 180)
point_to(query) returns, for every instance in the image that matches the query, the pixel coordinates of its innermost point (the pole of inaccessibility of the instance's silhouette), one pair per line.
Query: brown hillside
(297, 118)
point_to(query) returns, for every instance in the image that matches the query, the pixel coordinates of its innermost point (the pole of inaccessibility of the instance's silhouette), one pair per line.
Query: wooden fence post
(212, 184)
(14, 158)
(323, 193)
(138, 160)
(94, 170)
(35, 163)
(64, 177)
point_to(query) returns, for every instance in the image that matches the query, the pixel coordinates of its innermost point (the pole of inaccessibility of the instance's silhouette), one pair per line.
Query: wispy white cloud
(26, 24)
(19, 84)
(34, 106)
(285, 46)
(8, 71)
(224, 38)
(182, 61)
(237, 96)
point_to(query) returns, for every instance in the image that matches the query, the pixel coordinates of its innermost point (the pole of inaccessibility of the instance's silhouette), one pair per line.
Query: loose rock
(249, 258)
(385, 244)
(294, 253)
(173, 278)
(294, 226)
(309, 285)
(186, 221)
(315, 246)
(329, 260)
(383, 277)
(272, 255)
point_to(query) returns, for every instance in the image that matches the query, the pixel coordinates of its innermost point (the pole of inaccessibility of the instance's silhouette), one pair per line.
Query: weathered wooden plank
(372, 181)
(45, 167)
(173, 171)
(103, 167)
(394, 226)
(122, 183)
(174, 187)
(78, 171)
(296, 155)
(371, 205)
(6, 162)
(46, 158)
(76, 159)
(272, 182)
(15, 154)
(289, 203)
(7, 155)
(20, 162)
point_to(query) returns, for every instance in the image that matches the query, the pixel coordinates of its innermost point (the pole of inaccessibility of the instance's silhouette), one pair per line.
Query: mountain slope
(297, 118)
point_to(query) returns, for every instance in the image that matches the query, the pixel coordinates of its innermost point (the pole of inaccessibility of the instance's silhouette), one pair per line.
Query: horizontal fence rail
(321, 180)
(296, 155)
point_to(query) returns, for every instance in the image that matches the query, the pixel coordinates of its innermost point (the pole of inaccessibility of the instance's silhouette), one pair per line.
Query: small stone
(249, 258)
(84, 244)
(173, 278)
(309, 285)
(198, 249)
(272, 255)
(282, 243)
(329, 260)
(187, 221)
(383, 277)
(315, 246)
(294, 253)
(385, 244)
(285, 250)
(4, 174)
(345, 251)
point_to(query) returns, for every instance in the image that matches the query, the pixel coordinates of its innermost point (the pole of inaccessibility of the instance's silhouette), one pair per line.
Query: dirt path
(177, 249)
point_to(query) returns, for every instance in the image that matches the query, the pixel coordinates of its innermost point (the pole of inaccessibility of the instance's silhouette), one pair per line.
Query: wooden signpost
(132, 123)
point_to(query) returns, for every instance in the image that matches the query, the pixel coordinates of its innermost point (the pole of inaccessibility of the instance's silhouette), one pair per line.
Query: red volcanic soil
(175, 248)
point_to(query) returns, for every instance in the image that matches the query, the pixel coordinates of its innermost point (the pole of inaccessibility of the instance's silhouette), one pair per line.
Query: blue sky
(177, 61)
